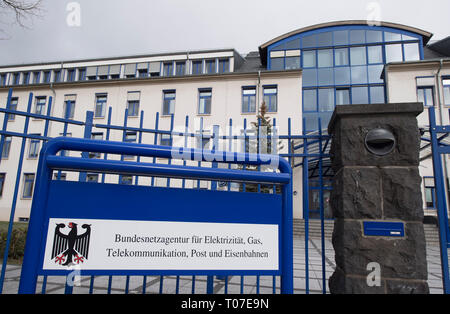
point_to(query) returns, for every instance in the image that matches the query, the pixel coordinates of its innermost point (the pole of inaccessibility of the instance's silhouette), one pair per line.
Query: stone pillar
(377, 188)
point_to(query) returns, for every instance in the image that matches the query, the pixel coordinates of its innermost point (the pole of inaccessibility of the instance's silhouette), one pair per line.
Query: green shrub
(17, 244)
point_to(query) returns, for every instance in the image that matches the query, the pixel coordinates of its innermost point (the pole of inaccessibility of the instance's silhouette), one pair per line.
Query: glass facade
(342, 65)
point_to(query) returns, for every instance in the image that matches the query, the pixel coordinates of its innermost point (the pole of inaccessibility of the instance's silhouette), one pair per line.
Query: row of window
(133, 70)
(168, 106)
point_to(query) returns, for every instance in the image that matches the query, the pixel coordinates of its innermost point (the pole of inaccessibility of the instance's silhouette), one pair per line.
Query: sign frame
(49, 161)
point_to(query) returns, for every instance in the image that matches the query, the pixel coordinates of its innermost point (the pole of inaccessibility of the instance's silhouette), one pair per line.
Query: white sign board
(96, 244)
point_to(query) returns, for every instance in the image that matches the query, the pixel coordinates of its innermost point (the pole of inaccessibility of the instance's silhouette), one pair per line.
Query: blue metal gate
(308, 152)
(438, 133)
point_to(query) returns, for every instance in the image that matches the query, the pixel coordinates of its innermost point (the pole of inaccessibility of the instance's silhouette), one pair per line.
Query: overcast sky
(104, 28)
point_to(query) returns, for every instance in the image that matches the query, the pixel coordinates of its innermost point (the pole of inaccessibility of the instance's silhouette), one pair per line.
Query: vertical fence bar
(16, 192)
(87, 134)
(440, 200)
(322, 217)
(305, 188)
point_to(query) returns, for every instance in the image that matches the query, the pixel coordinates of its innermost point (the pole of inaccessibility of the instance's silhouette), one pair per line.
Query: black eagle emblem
(71, 248)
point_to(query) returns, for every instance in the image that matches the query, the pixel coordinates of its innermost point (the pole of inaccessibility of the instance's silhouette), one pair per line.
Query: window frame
(203, 96)
(248, 97)
(423, 89)
(268, 92)
(102, 103)
(169, 101)
(28, 185)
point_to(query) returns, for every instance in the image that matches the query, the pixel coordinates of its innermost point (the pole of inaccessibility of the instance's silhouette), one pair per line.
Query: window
(375, 54)
(248, 99)
(342, 96)
(197, 67)
(180, 68)
(446, 84)
(25, 77)
(16, 78)
(71, 75)
(270, 98)
(168, 68)
(69, 106)
(165, 140)
(142, 72)
(28, 185)
(56, 76)
(292, 62)
(430, 196)
(210, 66)
(326, 100)
(168, 102)
(13, 106)
(377, 95)
(127, 180)
(36, 77)
(96, 136)
(47, 76)
(130, 137)
(309, 59)
(100, 105)
(309, 100)
(40, 105)
(341, 57)
(360, 95)
(3, 79)
(224, 65)
(325, 58)
(425, 95)
(92, 177)
(133, 103)
(6, 147)
(33, 150)
(394, 53)
(82, 74)
(204, 101)
(2, 183)
(358, 56)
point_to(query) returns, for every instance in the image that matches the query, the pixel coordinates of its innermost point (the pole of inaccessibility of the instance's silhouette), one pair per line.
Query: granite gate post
(378, 235)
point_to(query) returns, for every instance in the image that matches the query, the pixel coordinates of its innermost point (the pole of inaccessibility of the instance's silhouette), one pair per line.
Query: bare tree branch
(22, 9)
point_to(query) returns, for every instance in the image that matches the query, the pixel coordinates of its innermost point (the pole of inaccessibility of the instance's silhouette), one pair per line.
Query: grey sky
(118, 28)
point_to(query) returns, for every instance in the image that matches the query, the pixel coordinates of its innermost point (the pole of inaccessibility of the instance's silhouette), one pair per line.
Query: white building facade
(301, 76)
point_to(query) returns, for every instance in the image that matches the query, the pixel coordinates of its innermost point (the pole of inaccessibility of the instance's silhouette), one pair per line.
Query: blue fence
(439, 147)
(310, 152)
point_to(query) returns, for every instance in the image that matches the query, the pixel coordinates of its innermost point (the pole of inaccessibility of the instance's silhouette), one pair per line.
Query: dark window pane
(309, 41)
(377, 95)
(411, 52)
(309, 59)
(310, 100)
(359, 75)
(292, 63)
(375, 73)
(388, 36)
(360, 95)
(293, 44)
(325, 58)
(374, 36)
(394, 53)
(375, 54)
(341, 37)
(277, 63)
(311, 121)
(325, 77)
(326, 99)
(325, 39)
(357, 37)
(342, 96)
(341, 57)
(342, 76)
(278, 47)
(358, 56)
(310, 77)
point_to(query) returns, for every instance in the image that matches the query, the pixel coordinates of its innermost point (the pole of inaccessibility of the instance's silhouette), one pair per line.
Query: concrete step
(431, 230)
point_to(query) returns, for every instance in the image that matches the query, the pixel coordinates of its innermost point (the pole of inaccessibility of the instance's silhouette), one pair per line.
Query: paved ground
(248, 284)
